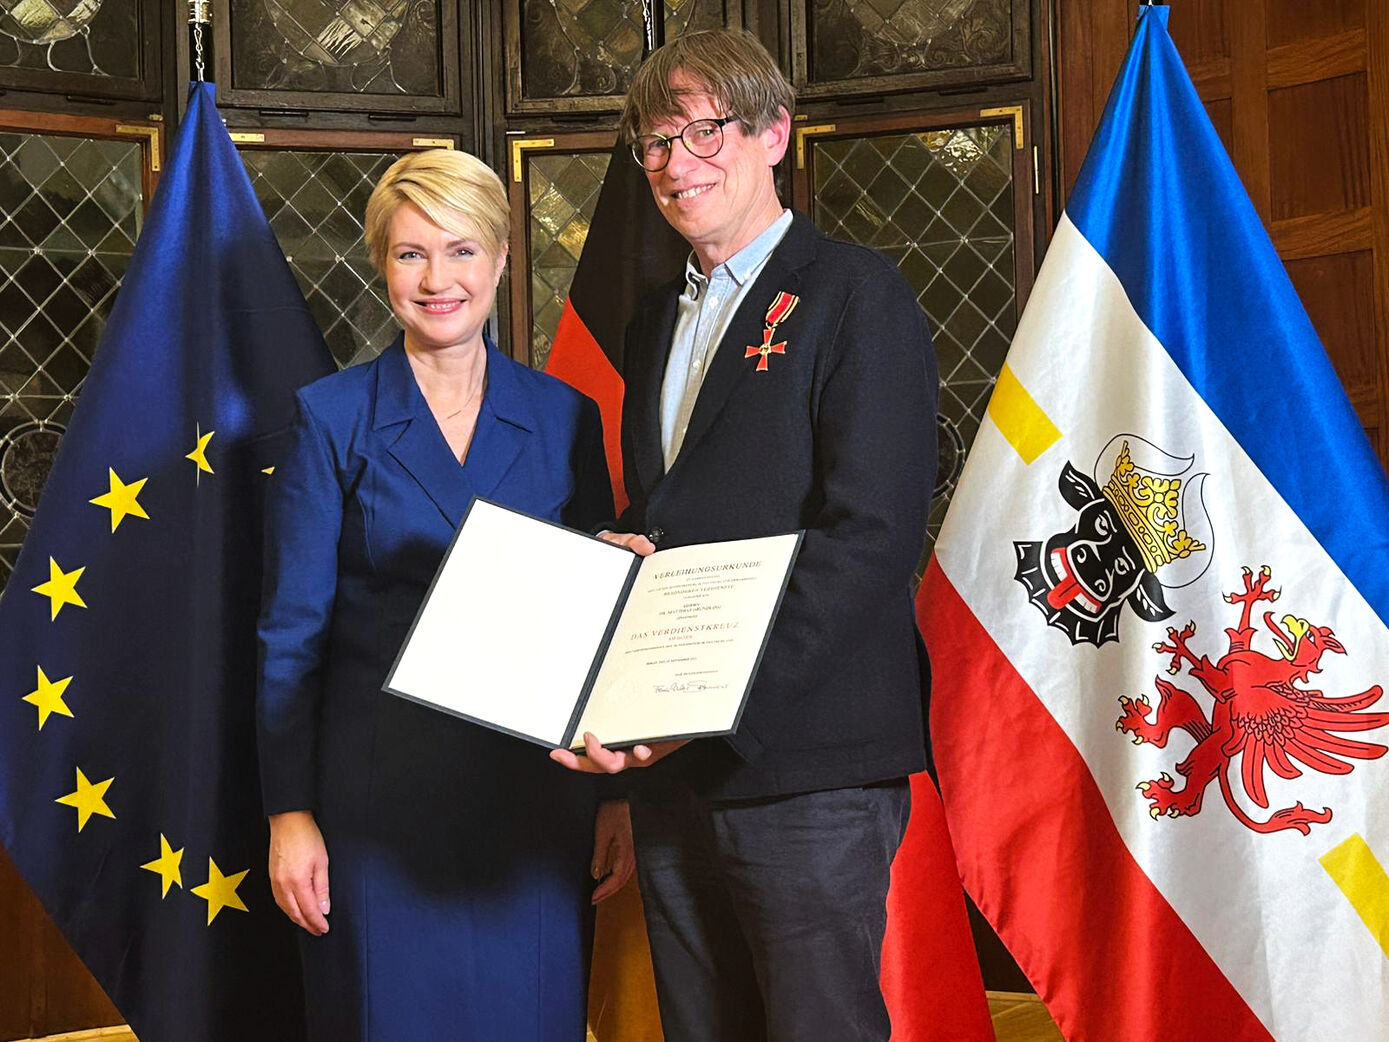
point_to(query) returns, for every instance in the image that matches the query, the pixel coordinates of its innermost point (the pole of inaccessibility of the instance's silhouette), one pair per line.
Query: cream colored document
(546, 633)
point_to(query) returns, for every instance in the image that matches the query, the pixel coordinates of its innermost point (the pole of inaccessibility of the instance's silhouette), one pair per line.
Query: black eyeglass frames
(703, 138)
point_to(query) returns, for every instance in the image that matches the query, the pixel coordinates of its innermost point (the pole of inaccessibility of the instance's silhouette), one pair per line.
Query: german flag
(630, 251)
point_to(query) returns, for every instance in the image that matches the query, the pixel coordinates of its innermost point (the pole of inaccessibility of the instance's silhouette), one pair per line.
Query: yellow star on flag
(167, 865)
(199, 453)
(61, 588)
(48, 696)
(89, 799)
(220, 891)
(121, 500)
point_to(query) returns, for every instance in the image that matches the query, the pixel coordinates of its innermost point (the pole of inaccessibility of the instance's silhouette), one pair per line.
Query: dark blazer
(836, 436)
(458, 856)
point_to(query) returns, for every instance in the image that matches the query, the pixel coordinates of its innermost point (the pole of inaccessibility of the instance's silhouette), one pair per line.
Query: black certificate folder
(546, 633)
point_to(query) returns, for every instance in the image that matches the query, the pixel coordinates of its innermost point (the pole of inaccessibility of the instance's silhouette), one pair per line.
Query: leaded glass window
(571, 49)
(93, 37)
(314, 202)
(70, 211)
(339, 46)
(844, 46)
(563, 191)
(941, 204)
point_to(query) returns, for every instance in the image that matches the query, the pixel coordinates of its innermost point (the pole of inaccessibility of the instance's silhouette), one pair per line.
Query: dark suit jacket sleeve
(873, 423)
(303, 523)
(592, 503)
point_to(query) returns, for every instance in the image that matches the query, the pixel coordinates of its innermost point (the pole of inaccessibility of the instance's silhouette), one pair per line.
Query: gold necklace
(471, 398)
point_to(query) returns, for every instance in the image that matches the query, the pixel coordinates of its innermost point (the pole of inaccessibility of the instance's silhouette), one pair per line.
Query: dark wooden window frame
(810, 89)
(1026, 197)
(516, 101)
(148, 134)
(520, 148)
(453, 54)
(148, 86)
(273, 139)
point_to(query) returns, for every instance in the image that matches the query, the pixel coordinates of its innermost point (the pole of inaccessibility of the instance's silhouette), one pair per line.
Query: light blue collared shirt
(703, 312)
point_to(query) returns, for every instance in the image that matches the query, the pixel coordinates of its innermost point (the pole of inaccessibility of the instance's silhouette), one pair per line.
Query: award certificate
(547, 633)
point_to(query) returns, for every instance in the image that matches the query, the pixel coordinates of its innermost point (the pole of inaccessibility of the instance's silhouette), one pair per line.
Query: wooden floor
(1021, 1018)
(1017, 1018)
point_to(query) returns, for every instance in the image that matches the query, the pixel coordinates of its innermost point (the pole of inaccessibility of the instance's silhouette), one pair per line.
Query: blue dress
(458, 857)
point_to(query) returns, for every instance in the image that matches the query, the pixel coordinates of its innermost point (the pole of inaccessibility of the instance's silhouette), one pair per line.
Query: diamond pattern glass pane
(93, 37)
(851, 38)
(563, 193)
(573, 48)
(70, 211)
(940, 204)
(314, 202)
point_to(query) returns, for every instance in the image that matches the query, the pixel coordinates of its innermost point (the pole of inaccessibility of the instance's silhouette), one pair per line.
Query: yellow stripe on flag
(1020, 419)
(1355, 869)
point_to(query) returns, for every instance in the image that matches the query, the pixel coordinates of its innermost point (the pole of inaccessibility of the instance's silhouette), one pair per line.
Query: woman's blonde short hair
(730, 65)
(458, 192)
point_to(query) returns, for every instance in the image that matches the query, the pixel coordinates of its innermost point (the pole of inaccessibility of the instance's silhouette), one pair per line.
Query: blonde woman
(459, 867)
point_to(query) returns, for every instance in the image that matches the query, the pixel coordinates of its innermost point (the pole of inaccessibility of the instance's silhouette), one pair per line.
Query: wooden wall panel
(1222, 114)
(1092, 36)
(44, 988)
(1198, 30)
(16, 929)
(1319, 160)
(1299, 93)
(1292, 21)
(1338, 292)
(1377, 64)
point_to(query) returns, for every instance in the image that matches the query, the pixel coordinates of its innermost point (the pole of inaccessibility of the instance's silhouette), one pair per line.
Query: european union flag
(128, 785)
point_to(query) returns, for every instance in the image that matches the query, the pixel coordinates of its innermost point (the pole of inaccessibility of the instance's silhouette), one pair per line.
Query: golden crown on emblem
(1150, 509)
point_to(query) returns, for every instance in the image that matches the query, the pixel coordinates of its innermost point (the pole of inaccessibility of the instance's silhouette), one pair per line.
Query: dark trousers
(766, 917)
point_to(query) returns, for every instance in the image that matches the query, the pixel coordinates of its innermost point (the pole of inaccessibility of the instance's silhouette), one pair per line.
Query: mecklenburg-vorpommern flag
(129, 796)
(1157, 613)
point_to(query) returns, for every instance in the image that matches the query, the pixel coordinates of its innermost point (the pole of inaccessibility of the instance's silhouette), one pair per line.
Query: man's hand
(598, 759)
(299, 870)
(638, 544)
(613, 855)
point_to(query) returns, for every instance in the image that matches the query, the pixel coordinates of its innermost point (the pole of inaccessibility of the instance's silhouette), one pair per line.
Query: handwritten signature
(688, 685)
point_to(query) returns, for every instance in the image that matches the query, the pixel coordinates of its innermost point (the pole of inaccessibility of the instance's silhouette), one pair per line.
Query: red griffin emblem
(779, 312)
(1260, 714)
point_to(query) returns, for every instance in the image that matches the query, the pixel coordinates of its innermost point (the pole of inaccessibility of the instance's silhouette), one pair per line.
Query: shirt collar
(743, 264)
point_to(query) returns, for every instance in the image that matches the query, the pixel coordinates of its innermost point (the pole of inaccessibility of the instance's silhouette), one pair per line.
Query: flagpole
(655, 28)
(199, 15)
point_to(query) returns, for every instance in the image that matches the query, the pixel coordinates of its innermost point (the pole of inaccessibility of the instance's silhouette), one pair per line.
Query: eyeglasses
(702, 137)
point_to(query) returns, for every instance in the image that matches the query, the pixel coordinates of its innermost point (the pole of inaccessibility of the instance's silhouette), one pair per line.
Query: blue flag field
(129, 796)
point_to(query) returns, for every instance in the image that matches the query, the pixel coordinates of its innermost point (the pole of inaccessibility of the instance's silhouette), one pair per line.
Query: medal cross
(765, 349)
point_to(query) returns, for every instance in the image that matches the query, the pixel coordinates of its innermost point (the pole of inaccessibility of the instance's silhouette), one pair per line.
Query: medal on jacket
(779, 312)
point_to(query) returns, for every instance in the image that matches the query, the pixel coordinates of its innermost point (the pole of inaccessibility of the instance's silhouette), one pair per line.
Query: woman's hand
(613, 856)
(299, 870)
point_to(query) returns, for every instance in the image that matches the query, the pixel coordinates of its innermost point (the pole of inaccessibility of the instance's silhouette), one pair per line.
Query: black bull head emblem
(1082, 578)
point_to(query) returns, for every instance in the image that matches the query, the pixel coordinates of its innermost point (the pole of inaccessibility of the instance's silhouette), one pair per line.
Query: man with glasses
(787, 382)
